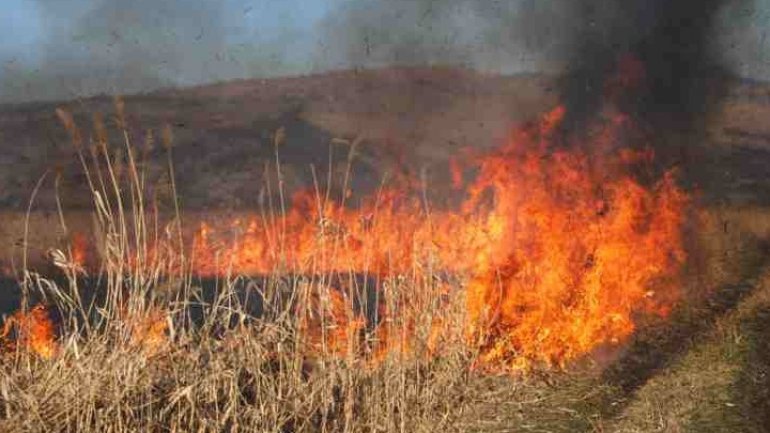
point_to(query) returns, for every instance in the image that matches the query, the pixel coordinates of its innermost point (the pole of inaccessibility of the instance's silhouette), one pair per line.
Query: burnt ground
(705, 370)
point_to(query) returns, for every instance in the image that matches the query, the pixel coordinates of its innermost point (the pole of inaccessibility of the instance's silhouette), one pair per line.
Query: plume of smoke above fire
(76, 47)
(679, 46)
(667, 59)
(673, 41)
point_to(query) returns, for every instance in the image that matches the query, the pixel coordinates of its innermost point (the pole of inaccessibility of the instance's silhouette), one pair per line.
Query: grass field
(155, 351)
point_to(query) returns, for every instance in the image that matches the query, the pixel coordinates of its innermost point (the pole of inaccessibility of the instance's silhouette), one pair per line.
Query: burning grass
(251, 377)
(704, 368)
(551, 255)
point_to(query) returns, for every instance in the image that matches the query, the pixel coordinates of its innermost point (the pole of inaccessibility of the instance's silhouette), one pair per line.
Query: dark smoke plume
(673, 43)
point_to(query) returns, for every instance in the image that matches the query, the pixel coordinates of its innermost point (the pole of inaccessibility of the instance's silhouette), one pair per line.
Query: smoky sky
(92, 46)
(674, 43)
(69, 48)
(109, 46)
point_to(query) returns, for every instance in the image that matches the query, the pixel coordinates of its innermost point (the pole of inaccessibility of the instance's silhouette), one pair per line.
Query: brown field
(137, 363)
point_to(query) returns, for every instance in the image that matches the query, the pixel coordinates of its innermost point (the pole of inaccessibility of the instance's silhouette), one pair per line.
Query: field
(139, 341)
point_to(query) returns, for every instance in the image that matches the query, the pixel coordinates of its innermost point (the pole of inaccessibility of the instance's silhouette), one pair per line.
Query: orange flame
(79, 250)
(34, 331)
(573, 256)
(328, 324)
(560, 249)
(148, 331)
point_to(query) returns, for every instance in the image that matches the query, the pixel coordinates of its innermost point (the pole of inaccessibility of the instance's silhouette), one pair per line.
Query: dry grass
(141, 351)
(719, 385)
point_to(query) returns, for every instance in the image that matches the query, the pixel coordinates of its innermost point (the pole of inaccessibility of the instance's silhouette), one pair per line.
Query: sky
(53, 49)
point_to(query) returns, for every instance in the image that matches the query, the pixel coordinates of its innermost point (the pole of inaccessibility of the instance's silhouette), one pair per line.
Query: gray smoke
(498, 36)
(109, 46)
(92, 46)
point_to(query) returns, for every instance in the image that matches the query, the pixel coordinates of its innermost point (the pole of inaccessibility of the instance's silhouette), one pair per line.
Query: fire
(148, 331)
(573, 255)
(79, 250)
(328, 323)
(557, 244)
(560, 249)
(33, 331)
(404, 319)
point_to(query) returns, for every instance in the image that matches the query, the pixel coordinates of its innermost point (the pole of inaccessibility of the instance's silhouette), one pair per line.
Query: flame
(560, 249)
(558, 246)
(572, 257)
(34, 331)
(328, 324)
(79, 250)
(148, 331)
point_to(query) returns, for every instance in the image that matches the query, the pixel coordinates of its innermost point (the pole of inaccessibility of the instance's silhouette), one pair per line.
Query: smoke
(497, 36)
(147, 44)
(678, 43)
(91, 46)
(678, 46)
(94, 46)
(743, 30)
(674, 41)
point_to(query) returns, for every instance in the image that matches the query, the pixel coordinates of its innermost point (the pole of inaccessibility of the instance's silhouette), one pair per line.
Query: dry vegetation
(154, 353)
(141, 347)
